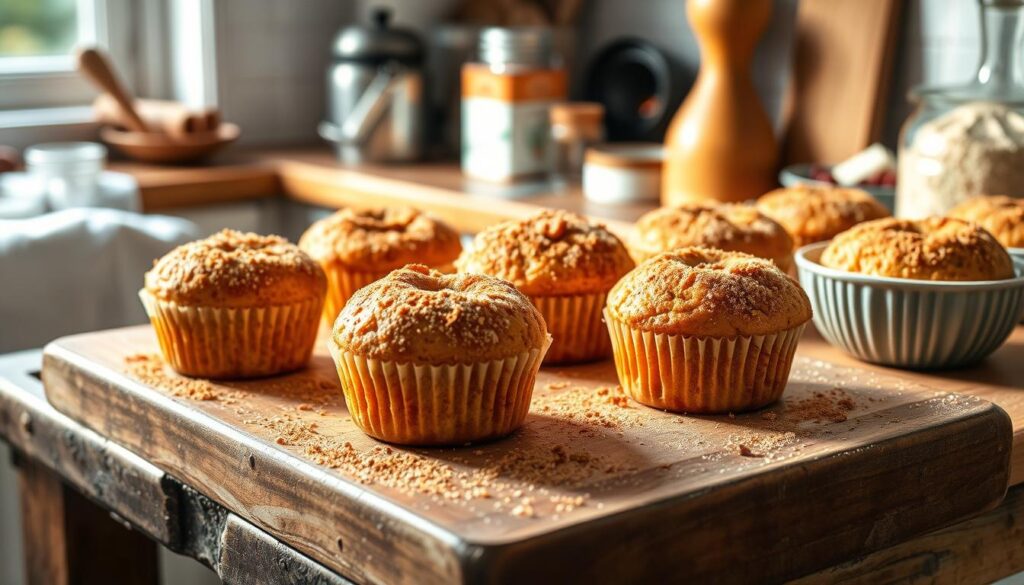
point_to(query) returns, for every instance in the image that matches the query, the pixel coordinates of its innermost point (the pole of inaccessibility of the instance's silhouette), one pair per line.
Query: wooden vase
(720, 145)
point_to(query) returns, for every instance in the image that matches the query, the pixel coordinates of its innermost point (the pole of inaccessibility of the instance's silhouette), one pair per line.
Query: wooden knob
(95, 66)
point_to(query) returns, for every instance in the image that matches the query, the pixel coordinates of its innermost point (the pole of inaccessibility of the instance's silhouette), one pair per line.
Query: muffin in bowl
(1002, 216)
(923, 294)
(815, 213)
(566, 265)
(730, 227)
(356, 247)
(936, 248)
(702, 330)
(235, 305)
(427, 358)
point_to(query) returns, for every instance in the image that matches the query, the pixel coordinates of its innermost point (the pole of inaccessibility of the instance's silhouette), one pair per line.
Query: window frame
(38, 83)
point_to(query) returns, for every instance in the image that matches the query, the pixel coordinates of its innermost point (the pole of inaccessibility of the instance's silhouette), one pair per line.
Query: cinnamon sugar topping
(235, 269)
(708, 292)
(937, 248)
(418, 315)
(378, 240)
(550, 253)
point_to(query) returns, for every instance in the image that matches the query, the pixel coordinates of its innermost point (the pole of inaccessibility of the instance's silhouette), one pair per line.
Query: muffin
(356, 247)
(427, 358)
(815, 213)
(1002, 216)
(737, 228)
(566, 265)
(235, 305)
(935, 248)
(702, 330)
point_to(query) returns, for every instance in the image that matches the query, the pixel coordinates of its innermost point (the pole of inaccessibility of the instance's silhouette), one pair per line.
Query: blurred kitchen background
(264, 63)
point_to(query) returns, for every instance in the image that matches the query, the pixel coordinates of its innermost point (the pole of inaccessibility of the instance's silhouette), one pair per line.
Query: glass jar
(506, 96)
(968, 140)
(575, 127)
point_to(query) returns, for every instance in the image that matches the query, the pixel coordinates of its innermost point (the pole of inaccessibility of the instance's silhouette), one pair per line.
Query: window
(37, 43)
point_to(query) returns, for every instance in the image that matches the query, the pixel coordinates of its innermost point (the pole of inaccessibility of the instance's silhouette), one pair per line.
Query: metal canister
(375, 87)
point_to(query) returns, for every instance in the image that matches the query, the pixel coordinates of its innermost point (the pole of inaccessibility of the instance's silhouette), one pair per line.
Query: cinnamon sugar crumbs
(151, 370)
(831, 405)
(607, 408)
(746, 452)
(546, 474)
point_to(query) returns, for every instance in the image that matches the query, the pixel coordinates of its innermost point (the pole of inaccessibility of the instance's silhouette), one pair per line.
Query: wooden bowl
(155, 147)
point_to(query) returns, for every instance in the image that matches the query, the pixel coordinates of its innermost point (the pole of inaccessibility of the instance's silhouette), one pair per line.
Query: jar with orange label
(506, 97)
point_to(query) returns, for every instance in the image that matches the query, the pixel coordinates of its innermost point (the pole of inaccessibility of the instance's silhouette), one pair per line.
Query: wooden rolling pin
(174, 118)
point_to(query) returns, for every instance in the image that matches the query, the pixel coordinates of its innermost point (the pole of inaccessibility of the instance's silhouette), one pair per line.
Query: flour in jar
(975, 149)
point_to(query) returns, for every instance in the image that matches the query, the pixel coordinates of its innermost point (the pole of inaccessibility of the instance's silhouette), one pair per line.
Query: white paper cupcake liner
(451, 404)
(341, 285)
(692, 374)
(910, 323)
(211, 342)
(576, 324)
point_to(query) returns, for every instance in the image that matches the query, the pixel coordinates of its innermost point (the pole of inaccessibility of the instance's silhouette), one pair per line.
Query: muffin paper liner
(342, 283)
(693, 374)
(576, 324)
(212, 342)
(449, 404)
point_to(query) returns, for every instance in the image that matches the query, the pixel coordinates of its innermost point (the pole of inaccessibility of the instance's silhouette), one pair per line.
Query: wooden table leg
(68, 539)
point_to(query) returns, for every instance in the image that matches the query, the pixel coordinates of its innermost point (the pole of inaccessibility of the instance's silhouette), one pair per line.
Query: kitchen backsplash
(272, 55)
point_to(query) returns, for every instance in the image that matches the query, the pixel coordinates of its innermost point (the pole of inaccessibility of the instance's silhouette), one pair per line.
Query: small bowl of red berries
(873, 170)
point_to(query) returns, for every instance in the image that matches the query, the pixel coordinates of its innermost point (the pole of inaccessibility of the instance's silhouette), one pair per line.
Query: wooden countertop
(847, 462)
(314, 176)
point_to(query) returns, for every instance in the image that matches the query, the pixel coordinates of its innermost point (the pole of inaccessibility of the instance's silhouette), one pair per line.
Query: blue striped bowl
(910, 323)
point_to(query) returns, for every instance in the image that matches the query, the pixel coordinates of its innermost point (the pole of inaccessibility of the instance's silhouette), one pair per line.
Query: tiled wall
(272, 58)
(272, 55)
(939, 45)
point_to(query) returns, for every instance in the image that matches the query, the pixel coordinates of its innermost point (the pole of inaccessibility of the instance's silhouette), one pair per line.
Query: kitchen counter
(211, 516)
(314, 176)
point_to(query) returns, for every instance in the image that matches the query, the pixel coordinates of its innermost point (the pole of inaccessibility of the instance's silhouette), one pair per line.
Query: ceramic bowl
(1018, 257)
(908, 323)
(801, 173)
(153, 147)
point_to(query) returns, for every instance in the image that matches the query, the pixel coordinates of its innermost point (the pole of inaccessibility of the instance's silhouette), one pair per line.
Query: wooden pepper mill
(720, 145)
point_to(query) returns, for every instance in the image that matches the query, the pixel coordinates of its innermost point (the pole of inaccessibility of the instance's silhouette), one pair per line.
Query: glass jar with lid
(968, 140)
(506, 96)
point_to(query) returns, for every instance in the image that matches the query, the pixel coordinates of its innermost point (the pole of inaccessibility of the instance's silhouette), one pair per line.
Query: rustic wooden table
(131, 501)
(861, 495)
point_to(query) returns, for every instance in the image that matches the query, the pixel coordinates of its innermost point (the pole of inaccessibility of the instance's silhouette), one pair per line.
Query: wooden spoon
(95, 65)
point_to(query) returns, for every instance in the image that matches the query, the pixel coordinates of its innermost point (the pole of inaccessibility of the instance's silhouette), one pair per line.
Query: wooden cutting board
(594, 487)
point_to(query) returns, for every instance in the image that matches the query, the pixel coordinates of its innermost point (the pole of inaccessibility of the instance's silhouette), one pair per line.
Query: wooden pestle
(720, 145)
(94, 64)
(174, 118)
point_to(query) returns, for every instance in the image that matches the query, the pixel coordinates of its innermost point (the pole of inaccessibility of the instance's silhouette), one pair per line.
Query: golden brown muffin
(423, 316)
(704, 330)
(235, 305)
(815, 213)
(936, 248)
(566, 265)
(427, 358)
(550, 253)
(738, 228)
(1002, 216)
(356, 247)
(233, 269)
